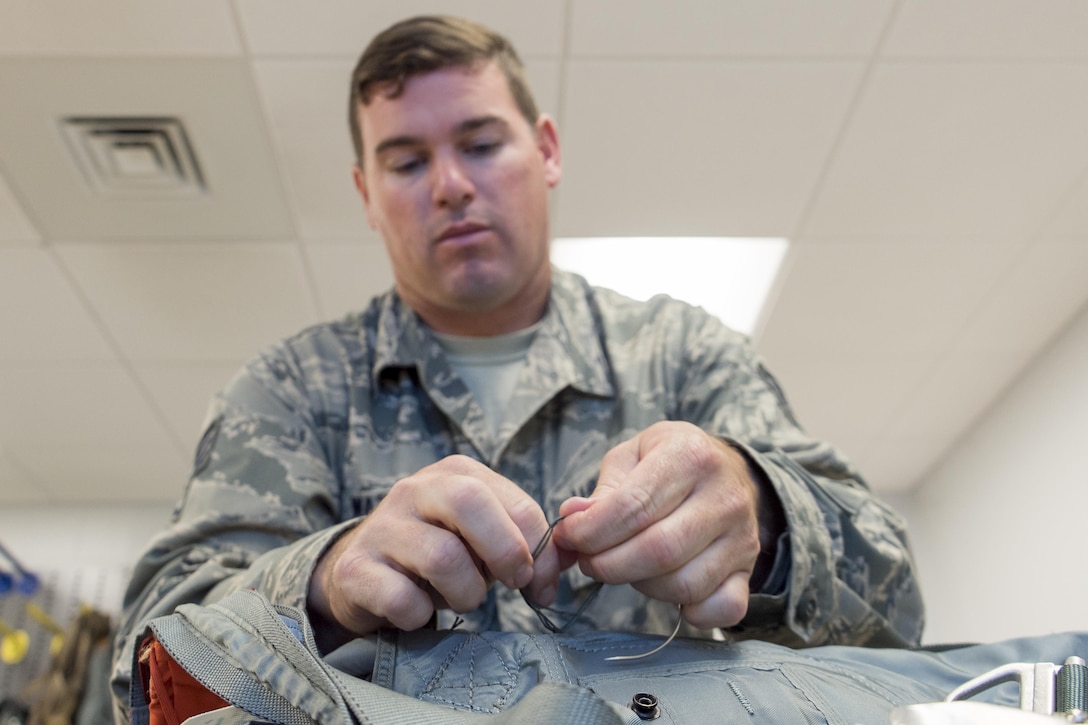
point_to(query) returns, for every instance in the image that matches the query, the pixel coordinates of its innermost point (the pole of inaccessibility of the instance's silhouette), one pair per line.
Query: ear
(360, 185)
(547, 141)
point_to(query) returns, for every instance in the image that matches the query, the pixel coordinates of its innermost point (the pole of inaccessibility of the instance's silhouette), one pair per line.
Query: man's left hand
(674, 514)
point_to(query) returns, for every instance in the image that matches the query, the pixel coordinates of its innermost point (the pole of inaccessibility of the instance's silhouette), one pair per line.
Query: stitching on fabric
(511, 680)
(741, 697)
(807, 689)
(502, 660)
(456, 705)
(471, 642)
(472, 675)
(433, 682)
(557, 663)
(875, 687)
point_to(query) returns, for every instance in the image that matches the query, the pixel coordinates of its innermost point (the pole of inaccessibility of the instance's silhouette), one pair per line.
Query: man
(407, 464)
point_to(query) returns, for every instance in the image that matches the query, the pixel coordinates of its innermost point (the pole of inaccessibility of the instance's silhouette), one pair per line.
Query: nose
(452, 188)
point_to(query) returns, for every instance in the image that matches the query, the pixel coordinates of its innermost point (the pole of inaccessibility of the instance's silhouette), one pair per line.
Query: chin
(480, 290)
(477, 305)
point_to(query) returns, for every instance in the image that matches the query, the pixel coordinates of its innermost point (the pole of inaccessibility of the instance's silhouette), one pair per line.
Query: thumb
(574, 505)
(616, 465)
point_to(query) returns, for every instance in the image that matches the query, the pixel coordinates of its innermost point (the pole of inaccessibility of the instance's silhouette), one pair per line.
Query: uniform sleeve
(259, 509)
(844, 572)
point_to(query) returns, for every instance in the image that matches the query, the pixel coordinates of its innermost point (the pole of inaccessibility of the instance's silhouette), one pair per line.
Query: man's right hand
(437, 540)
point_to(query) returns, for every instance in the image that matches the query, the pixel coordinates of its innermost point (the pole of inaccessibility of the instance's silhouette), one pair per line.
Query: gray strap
(242, 650)
(546, 704)
(240, 645)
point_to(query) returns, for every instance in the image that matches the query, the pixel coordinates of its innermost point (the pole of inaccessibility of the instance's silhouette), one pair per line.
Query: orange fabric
(172, 694)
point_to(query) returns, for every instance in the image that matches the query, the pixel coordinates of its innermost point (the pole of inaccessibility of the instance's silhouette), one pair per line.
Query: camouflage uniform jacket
(314, 431)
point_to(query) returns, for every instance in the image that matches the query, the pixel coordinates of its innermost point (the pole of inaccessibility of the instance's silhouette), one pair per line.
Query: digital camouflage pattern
(314, 431)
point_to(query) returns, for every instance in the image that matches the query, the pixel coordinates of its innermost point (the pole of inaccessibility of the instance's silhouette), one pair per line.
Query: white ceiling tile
(344, 27)
(16, 485)
(545, 79)
(117, 27)
(115, 472)
(989, 29)
(307, 108)
(307, 104)
(348, 275)
(82, 430)
(969, 149)
(1044, 289)
(708, 148)
(847, 398)
(900, 464)
(41, 317)
(1071, 218)
(710, 28)
(194, 302)
(904, 297)
(183, 393)
(215, 100)
(15, 227)
(952, 396)
(87, 404)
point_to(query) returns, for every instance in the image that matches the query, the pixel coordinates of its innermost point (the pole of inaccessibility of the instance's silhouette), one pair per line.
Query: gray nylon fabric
(242, 650)
(458, 677)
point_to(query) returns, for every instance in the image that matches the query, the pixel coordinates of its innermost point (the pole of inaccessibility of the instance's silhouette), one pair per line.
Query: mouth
(461, 231)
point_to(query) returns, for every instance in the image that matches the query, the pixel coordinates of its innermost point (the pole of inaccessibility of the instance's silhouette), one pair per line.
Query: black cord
(542, 611)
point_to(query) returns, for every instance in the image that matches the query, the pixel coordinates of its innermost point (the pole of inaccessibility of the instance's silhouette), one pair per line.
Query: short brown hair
(428, 43)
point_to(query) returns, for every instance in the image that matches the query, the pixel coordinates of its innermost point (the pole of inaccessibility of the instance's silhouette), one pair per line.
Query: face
(456, 182)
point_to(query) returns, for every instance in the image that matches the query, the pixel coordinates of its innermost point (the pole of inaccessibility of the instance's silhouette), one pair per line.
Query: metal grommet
(645, 706)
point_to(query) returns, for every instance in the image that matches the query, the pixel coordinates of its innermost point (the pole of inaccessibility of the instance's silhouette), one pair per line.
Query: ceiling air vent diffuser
(134, 156)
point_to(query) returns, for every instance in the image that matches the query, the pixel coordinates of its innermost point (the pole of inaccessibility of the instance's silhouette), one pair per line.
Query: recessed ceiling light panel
(134, 155)
(728, 276)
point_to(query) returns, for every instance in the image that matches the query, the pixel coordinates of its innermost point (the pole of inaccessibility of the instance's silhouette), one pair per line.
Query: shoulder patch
(206, 446)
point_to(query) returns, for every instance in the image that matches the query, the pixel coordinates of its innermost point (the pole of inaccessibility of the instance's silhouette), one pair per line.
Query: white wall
(81, 556)
(999, 527)
(98, 543)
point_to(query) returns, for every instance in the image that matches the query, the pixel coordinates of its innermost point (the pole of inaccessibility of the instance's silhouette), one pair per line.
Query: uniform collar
(567, 350)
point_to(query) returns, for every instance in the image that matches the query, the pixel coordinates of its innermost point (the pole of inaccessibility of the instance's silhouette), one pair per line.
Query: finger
(534, 528)
(698, 578)
(390, 550)
(545, 580)
(642, 481)
(363, 595)
(545, 557)
(481, 515)
(443, 560)
(575, 504)
(648, 494)
(402, 602)
(615, 466)
(674, 543)
(726, 607)
(381, 576)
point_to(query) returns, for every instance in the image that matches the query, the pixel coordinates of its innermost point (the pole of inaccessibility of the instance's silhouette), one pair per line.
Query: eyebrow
(466, 126)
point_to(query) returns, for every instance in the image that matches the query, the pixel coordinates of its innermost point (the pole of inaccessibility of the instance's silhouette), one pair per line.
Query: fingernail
(523, 577)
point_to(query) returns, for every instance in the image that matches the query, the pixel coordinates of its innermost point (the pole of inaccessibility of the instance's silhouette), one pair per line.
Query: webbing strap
(242, 650)
(546, 704)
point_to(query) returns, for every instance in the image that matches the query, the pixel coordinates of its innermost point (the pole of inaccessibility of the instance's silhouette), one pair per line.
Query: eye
(405, 165)
(482, 148)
